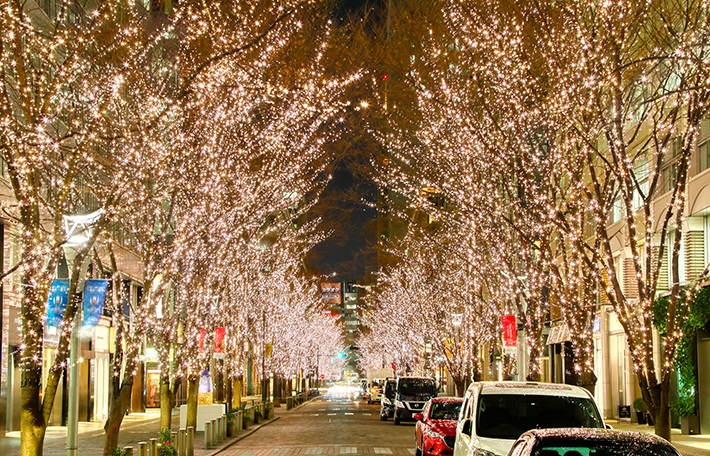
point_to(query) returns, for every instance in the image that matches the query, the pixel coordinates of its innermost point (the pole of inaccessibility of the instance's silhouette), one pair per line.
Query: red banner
(219, 334)
(510, 331)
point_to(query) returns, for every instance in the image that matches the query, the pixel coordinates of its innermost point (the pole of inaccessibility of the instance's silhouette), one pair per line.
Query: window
(616, 212)
(669, 177)
(704, 156)
(669, 169)
(641, 173)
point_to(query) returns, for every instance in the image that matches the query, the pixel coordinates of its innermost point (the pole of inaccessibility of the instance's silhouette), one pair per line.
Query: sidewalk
(137, 427)
(688, 445)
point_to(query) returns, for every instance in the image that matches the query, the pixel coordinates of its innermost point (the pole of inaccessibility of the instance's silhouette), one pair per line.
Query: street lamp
(79, 229)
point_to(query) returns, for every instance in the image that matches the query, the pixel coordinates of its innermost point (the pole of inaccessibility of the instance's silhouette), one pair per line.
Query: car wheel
(396, 421)
(383, 417)
(417, 451)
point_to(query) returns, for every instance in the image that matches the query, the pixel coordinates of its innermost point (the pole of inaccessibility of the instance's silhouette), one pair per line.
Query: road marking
(383, 451)
(331, 414)
(368, 414)
(412, 451)
(279, 452)
(314, 451)
(349, 413)
(244, 452)
(348, 450)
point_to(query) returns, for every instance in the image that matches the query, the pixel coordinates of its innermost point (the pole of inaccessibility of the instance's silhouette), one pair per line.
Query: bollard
(153, 447)
(224, 427)
(182, 437)
(142, 448)
(191, 441)
(214, 432)
(174, 440)
(208, 435)
(218, 430)
(128, 451)
(240, 423)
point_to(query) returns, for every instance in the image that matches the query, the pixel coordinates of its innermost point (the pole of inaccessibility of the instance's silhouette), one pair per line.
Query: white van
(495, 414)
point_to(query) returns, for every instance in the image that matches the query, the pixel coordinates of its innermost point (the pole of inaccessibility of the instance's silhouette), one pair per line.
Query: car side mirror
(418, 416)
(466, 427)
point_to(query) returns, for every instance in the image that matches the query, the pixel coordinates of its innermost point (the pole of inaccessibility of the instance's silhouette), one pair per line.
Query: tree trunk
(237, 392)
(33, 425)
(167, 399)
(534, 361)
(460, 383)
(119, 406)
(662, 417)
(228, 391)
(192, 388)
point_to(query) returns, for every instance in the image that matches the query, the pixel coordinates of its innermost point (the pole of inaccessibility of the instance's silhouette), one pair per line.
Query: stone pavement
(140, 427)
(137, 427)
(688, 445)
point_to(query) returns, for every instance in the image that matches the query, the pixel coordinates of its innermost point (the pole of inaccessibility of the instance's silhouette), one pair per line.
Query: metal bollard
(128, 451)
(214, 432)
(224, 427)
(153, 447)
(142, 448)
(240, 422)
(217, 430)
(191, 441)
(208, 435)
(182, 438)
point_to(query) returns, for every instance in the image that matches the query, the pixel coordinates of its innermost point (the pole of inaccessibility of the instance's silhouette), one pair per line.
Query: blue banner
(94, 297)
(57, 301)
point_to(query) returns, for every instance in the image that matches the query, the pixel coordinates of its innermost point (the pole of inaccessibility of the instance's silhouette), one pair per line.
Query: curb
(242, 435)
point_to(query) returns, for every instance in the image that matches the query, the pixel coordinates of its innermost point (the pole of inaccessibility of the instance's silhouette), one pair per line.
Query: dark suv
(412, 394)
(387, 399)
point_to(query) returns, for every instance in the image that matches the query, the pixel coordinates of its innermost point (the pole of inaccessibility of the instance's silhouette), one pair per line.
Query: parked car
(412, 394)
(375, 390)
(388, 398)
(435, 433)
(591, 442)
(495, 414)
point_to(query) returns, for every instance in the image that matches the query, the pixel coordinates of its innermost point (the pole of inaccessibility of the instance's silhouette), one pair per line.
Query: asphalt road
(329, 425)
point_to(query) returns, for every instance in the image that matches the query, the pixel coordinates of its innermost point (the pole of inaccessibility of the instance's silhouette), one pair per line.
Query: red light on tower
(385, 76)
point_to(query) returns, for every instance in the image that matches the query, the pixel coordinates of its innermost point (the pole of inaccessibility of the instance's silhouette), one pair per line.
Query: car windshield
(604, 448)
(445, 411)
(390, 389)
(411, 386)
(507, 416)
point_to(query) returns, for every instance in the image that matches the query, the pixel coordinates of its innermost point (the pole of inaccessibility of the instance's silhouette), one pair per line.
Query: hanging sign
(57, 302)
(94, 298)
(510, 333)
(219, 334)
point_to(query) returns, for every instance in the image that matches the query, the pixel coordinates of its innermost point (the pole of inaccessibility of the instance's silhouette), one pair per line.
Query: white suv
(495, 414)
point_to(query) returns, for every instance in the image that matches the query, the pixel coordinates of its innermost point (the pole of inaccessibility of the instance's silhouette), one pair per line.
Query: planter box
(690, 425)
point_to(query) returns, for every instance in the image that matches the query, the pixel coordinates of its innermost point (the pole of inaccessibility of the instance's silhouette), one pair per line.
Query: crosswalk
(326, 450)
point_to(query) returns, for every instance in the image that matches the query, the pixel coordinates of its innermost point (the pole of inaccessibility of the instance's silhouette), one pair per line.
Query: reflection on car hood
(497, 446)
(443, 427)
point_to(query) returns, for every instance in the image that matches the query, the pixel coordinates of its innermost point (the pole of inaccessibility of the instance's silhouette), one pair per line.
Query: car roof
(446, 399)
(545, 389)
(588, 434)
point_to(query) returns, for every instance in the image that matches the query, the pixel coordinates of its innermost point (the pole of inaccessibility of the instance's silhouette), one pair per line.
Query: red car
(435, 433)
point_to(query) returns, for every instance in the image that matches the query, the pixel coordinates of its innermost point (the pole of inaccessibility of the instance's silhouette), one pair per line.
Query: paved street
(329, 425)
(323, 426)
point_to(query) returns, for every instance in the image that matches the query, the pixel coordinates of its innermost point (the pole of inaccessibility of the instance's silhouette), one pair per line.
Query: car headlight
(433, 434)
(399, 404)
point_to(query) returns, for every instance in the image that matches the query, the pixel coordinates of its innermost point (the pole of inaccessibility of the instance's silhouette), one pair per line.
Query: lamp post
(78, 230)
